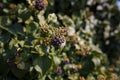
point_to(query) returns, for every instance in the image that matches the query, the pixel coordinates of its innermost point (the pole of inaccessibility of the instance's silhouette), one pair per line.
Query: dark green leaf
(44, 63)
(17, 72)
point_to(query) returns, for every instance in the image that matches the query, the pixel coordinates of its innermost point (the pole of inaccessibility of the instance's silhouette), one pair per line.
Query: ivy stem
(6, 29)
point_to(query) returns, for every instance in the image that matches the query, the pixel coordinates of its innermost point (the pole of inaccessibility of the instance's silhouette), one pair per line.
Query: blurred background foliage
(86, 32)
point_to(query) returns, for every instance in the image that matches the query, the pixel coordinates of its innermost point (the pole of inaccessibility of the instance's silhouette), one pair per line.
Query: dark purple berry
(10, 62)
(66, 61)
(57, 41)
(1, 5)
(58, 71)
(41, 4)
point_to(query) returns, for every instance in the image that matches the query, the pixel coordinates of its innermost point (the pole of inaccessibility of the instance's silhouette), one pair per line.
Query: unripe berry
(79, 66)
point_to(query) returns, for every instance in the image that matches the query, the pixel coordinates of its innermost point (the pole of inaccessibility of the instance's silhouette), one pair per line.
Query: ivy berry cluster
(57, 41)
(41, 4)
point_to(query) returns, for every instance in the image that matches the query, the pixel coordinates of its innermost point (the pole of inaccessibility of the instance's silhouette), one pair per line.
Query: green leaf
(13, 29)
(4, 69)
(56, 60)
(5, 21)
(43, 62)
(25, 15)
(5, 37)
(17, 28)
(87, 65)
(7, 29)
(38, 69)
(17, 72)
(21, 66)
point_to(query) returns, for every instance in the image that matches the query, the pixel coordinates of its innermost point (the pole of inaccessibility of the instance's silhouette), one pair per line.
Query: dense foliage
(59, 40)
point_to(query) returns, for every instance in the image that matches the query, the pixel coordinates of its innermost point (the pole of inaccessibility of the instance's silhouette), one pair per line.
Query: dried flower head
(101, 77)
(55, 36)
(45, 31)
(114, 76)
(46, 41)
(84, 50)
(81, 78)
(53, 31)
